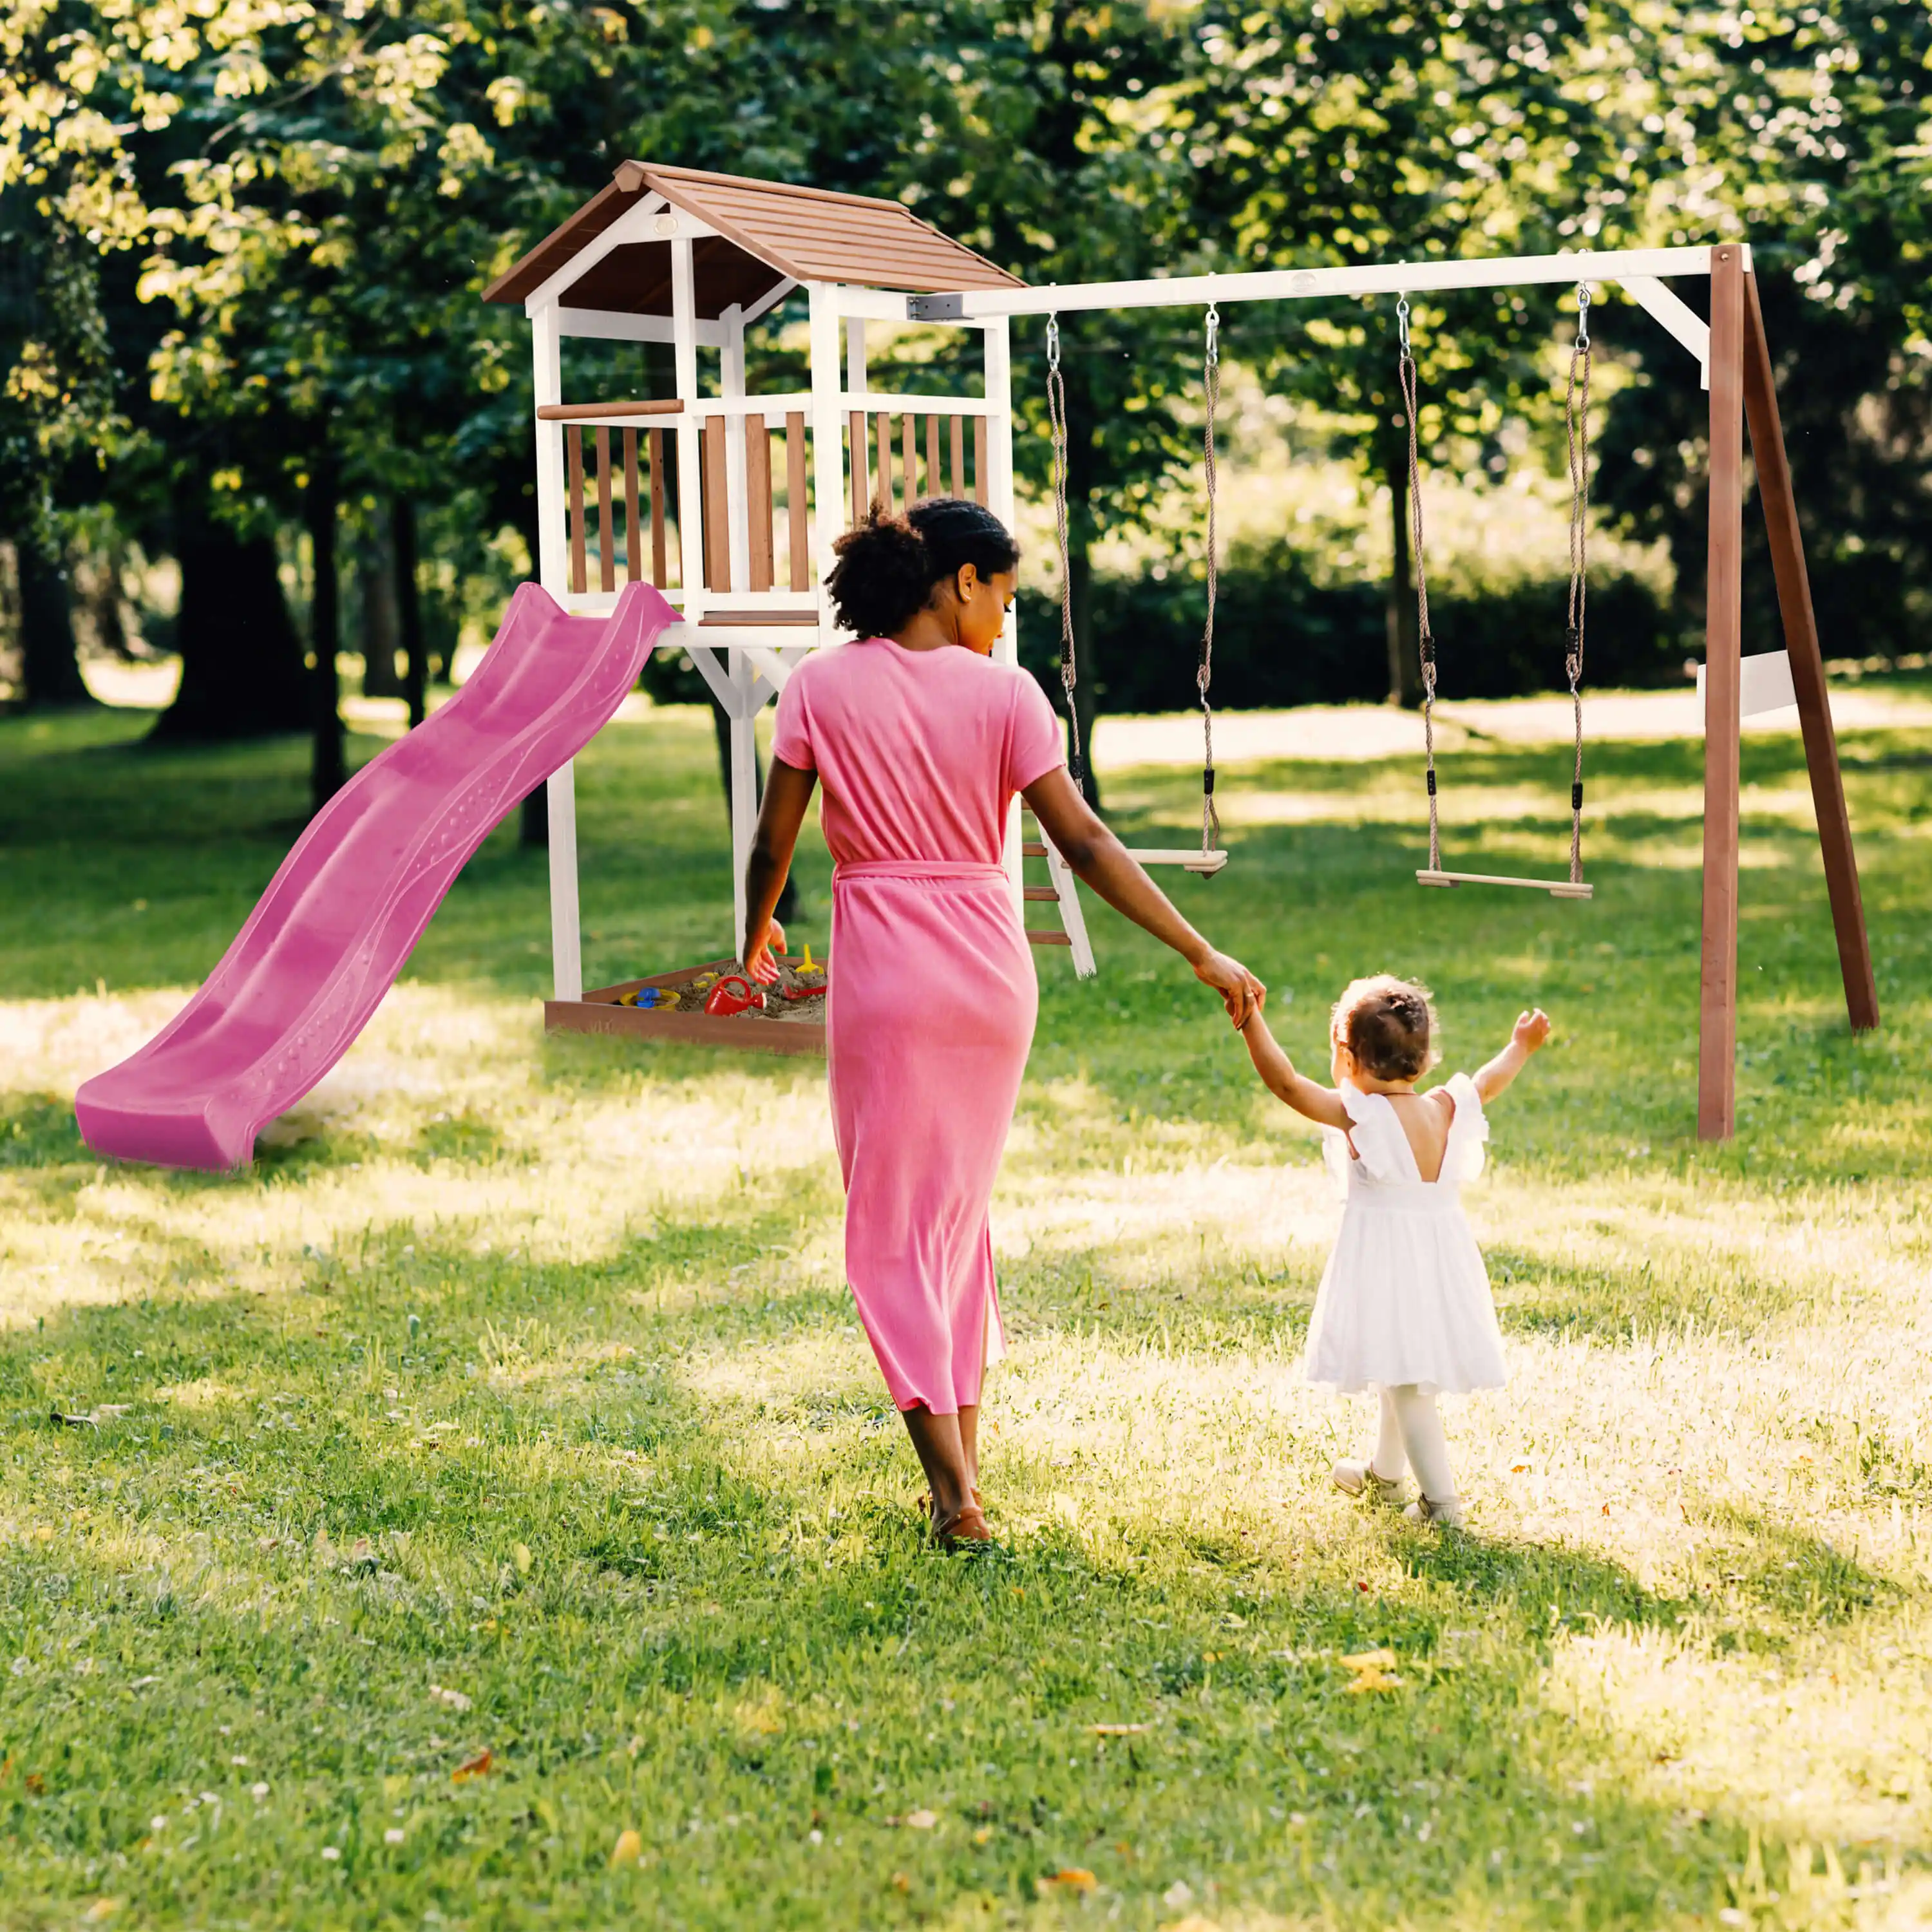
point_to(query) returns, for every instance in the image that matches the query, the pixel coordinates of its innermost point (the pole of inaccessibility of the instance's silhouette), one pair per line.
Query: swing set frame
(1734, 359)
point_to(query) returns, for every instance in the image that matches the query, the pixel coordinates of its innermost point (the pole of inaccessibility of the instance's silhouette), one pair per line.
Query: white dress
(1405, 1298)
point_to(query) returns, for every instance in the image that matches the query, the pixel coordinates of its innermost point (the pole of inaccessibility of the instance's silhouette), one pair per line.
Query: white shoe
(1355, 1479)
(1445, 1510)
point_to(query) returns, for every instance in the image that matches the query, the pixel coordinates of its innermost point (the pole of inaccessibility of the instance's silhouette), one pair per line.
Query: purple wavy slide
(340, 916)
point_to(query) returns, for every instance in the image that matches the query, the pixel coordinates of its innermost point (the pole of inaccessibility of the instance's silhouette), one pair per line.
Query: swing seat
(1204, 865)
(1557, 889)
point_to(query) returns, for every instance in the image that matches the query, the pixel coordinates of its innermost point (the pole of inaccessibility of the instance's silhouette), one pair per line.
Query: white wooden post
(552, 562)
(744, 788)
(828, 459)
(1000, 501)
(855, 355)
(690, 490)
(737, 486)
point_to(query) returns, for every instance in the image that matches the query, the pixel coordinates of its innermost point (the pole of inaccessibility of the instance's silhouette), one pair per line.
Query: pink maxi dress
(933, 996)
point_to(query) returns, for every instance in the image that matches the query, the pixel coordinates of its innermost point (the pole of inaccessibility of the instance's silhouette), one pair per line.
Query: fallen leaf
(983, 1836)
(454, 1699)
(102, 1908)
(901, 1883)
(478, 1766)
(1118, 1730)
(519, 1555)
(628, 1849)
(1074, 1878)
(922, 1820)
(1370, 1659)
(36, 1783)
(1373, 1680)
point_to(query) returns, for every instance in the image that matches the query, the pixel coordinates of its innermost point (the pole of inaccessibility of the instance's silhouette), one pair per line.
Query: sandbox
(783, 1025)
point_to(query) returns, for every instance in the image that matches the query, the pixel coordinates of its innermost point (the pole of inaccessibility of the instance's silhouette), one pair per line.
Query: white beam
(634, 224)
(690, 505)
(1676, 315)
(1304, 284)
(828, 439)
(608, 325)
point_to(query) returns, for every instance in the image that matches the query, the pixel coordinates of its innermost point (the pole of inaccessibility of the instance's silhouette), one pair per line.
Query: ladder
(1065, 896)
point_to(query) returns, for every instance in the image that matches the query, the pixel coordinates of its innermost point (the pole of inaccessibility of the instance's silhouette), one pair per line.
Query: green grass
(514, 1402)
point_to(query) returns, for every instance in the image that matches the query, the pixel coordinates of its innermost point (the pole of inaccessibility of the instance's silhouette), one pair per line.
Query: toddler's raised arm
(1321, 1104)
(1531, 1029)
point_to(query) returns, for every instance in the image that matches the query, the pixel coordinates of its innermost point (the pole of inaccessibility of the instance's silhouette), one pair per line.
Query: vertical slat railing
(634, 535)
(909, 448)
(573, 457)
(607, 548)
(660, 569)
(958, 479)
(758, 500)
(882, 488)
(798, 539)
(717, 507)
(861, 469)
(980, 460)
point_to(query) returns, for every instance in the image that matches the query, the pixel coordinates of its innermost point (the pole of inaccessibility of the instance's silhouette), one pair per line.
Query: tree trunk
(327, 769)
(381, 622)
(1082, 418)
(240, 655)
(50, 670)
(409, 609)
(1404, 668)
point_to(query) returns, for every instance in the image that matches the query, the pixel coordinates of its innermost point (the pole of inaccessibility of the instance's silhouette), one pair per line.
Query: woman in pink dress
(921, 741)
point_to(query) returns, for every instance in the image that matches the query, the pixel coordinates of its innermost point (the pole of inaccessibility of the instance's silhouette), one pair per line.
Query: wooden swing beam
(1737, 369)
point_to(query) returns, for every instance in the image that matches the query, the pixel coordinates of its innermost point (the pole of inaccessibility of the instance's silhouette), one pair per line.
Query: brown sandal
(967, 1525)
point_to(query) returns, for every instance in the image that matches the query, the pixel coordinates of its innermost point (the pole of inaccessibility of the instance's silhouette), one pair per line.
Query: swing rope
(1056, 418)
(1576, 422)
(1425, 638)
(1210, 820)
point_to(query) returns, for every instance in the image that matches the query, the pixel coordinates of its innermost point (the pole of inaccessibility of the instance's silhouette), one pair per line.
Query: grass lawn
(493, 1516)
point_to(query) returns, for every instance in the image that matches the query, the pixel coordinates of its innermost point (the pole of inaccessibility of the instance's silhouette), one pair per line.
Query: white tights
(1411, 1437)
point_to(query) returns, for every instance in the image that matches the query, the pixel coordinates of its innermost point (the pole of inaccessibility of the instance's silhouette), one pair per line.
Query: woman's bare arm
(788, 792)
(1099, 858)
(1320, 1104)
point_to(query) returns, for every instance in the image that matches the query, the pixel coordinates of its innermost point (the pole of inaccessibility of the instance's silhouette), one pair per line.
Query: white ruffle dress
(1405, 1298)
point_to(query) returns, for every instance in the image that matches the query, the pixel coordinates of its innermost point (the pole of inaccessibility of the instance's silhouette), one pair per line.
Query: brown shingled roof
(768, 232)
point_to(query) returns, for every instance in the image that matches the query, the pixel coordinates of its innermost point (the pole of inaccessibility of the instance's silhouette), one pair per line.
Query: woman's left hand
(1241, 993)
(758, 952)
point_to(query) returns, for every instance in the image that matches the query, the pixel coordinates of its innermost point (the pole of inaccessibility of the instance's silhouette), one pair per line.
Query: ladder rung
(1046, 936)
(1042, 893)
(1033, 849)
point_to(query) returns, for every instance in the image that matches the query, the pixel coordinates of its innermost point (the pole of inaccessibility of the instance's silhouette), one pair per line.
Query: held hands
(1241, 993)
(1532, 1030)
(758, 952)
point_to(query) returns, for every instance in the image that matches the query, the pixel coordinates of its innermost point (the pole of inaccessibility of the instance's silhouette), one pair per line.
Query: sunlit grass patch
(513, 1403)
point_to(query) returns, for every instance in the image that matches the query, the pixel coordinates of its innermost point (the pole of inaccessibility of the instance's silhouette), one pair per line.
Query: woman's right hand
(758, 952)
(1241, 993)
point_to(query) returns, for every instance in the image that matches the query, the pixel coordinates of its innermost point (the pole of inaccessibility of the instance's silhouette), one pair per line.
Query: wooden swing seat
(1204, 865)
(1557, 889)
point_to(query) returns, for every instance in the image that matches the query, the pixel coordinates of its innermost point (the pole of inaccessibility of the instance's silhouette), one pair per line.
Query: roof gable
(768, 233)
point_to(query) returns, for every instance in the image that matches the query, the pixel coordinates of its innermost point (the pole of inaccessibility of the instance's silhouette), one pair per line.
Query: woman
(922, 741)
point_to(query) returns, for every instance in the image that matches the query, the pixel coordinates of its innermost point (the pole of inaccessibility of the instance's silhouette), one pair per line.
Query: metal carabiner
(1402, 322)
(1053, 341)
(1582, 315)
(1214, 335)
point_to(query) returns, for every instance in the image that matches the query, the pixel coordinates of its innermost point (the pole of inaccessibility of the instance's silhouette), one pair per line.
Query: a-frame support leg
(1724, 621)
(1807, 668)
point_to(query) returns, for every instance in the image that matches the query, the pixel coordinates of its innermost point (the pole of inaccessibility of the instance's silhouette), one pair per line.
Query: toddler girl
(1404, 1302)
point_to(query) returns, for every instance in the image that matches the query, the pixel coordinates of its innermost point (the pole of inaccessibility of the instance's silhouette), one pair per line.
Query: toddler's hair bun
(1388, 1025)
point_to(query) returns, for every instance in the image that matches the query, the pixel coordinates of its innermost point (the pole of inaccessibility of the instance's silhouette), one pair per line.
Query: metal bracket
(934, 308)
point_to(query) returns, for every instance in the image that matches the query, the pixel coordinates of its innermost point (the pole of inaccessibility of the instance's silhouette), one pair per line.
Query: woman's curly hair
(888, 564)
(1388, 1025)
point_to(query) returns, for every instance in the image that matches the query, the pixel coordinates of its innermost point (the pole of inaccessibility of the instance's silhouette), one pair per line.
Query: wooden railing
(872, 483)
(629, 486)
